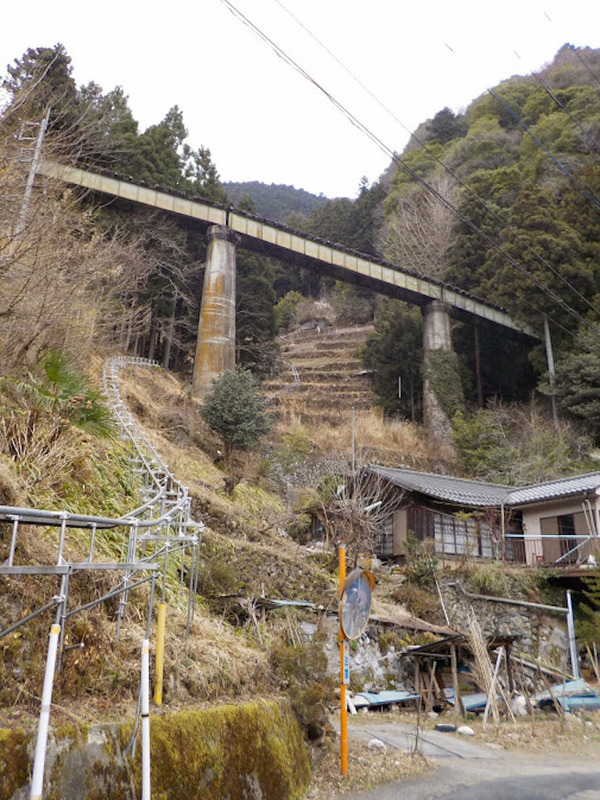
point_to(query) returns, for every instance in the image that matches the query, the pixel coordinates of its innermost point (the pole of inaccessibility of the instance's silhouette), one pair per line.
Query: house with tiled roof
(556, 522)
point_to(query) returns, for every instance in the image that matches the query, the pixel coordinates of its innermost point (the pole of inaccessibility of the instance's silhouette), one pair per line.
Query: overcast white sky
(263, 121)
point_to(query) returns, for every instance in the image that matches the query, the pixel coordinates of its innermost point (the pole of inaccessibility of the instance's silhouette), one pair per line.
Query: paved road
(470, 771)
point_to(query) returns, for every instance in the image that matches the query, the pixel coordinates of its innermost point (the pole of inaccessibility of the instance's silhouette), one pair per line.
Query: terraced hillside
(323, 377)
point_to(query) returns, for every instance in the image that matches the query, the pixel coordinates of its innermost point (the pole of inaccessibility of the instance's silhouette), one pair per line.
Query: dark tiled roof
(479, 493)
(552, 490)
(446, 488)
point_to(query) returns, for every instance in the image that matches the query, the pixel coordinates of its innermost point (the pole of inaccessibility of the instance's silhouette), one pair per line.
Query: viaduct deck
(277, 241)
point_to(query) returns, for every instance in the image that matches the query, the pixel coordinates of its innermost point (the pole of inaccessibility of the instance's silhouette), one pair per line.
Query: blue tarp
(472, 701)
(370, 699)
(571, 695)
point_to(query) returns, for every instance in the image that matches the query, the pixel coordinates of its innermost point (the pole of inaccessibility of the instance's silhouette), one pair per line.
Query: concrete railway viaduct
(230, 228)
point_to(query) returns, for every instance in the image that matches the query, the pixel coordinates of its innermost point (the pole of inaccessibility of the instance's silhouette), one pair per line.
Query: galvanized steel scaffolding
(157, 531)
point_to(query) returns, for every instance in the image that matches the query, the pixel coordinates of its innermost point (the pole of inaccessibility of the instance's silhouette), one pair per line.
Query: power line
(422, 144)
(477, 196)
(399, 162)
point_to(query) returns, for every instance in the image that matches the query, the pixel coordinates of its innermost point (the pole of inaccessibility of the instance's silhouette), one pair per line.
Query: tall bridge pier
(215, 348)
(436, 336)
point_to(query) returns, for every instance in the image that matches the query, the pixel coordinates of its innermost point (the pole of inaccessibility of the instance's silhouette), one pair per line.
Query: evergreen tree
(201, 176)
(547, 249)
(395, 350)
(113, 130)
(158, 158)
(578, 383)
(446, 126)
(234, 409)
(42, 79)
(255, 314)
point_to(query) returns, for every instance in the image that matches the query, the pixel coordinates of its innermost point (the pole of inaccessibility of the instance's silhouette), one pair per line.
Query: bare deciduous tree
(418, 229)
(360, 512)
(63, 282)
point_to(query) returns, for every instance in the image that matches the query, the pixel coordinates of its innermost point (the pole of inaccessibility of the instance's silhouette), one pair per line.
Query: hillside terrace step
(332, 368)
(314, 368)
(308, 371)
(317, 360)
(324, 338)
(340, 356)
(321, 378)
(322, 402)
(335, 377)
(330, 333)
(330, 387)
(332, 377)
(323, 347)
(330, 416)
(343, 395)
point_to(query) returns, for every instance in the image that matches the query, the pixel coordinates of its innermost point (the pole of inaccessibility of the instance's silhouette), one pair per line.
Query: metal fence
(154, 533)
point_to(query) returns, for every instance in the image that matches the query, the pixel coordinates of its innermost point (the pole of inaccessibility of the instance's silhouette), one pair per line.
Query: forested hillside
(273, 201)
(500, 200)
(503, 200)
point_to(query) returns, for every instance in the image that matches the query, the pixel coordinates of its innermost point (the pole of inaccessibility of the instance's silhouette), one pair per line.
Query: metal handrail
(163, 516)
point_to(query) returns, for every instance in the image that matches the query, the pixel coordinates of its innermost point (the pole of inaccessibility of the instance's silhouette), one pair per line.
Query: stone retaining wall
(254, 751)
(542, 635)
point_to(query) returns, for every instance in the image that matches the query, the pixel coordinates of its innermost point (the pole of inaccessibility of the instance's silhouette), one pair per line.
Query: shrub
(302, 669)
(234, 409)
(490, 579)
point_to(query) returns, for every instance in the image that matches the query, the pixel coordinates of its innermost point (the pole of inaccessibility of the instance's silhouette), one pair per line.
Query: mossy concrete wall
(253, 751)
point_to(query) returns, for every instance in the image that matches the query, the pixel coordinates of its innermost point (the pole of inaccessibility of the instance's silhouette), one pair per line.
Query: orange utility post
(343, 668)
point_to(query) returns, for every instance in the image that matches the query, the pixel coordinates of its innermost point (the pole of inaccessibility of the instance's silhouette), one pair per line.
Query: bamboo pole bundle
(483, 668)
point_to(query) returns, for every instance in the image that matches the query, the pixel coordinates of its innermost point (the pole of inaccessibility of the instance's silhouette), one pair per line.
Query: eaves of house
(481, 494)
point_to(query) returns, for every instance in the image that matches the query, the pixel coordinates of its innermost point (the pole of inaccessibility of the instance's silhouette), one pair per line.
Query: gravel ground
(368, 768)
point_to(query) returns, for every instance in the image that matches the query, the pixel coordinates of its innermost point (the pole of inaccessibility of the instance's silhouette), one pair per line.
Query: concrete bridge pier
(436, 337)
(215, 349)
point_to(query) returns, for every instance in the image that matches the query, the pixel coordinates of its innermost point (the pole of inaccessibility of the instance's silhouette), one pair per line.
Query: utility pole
(551, 370)
(37, 152)
(344, 667)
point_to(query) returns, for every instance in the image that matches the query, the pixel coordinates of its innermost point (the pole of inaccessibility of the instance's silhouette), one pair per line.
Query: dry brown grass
(580, 734)
(215, 663)
(366, 769)
(377, 439)
(100, 681)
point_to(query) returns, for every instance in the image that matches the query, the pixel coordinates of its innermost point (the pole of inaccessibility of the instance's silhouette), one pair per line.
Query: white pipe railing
(37, 778)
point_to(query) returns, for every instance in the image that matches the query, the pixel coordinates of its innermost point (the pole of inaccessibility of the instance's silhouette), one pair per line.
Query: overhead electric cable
(585, 66)
(587, 193)
(451, 172)
(397, 160)
(563, 107)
